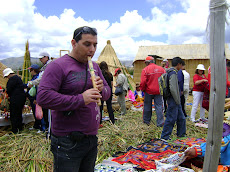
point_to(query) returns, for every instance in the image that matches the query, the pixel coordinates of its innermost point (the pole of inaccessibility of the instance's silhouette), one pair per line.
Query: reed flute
(91, 69)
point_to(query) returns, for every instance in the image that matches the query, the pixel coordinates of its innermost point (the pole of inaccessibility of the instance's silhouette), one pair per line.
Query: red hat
(116, 71)
(149, 58)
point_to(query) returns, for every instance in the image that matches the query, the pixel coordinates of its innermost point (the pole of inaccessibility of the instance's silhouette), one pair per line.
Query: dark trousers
(16, 114)
(74, 156)
(182, 101)
(109, 108)
(45, 116)
(165, 105)
(147, 113)
(174, 115)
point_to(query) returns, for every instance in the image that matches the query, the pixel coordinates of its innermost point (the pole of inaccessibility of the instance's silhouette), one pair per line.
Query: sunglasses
(86, 30)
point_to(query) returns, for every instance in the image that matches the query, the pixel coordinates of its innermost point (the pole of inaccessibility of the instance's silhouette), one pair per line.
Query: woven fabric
(175, 159)
(190, 141)
(138, 104)
(103, 168)
(158, 145)
(143, 159)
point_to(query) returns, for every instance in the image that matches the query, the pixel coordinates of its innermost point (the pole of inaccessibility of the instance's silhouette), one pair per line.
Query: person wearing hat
(200, 82)
(44, 57)
(67, 89)
(15, 90)
(165, 64)
(38, 124)
(149, 85)
(122, 81)
(139, 95)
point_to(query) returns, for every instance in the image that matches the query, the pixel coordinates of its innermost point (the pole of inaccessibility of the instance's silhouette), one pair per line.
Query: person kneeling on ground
(199, 151)
(139, 95)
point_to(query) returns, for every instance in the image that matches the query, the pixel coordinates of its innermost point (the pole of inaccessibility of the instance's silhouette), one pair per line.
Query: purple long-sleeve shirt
(60, 90)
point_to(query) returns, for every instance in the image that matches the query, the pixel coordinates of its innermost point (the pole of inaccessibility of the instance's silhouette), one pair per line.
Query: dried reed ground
(30, 151)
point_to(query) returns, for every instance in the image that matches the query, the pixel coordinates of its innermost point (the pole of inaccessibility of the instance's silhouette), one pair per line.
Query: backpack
(163, 82)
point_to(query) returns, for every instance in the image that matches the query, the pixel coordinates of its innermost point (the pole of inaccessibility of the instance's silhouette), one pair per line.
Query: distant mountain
(17, 62)
(127, 63)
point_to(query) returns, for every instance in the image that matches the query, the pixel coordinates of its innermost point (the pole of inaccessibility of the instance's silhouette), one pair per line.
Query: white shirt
(139, 94)
(186, 78)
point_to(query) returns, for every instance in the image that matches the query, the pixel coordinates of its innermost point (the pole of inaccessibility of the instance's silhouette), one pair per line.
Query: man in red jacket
(149, 85)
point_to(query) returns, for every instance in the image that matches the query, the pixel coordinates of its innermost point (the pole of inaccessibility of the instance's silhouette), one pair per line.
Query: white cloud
(19, 22)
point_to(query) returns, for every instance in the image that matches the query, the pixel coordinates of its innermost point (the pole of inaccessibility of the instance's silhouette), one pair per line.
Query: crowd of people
(76, 116)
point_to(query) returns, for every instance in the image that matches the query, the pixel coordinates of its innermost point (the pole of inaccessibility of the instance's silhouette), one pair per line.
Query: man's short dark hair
(176, 61)
(228, 64)
(77, 35)
(183, 63)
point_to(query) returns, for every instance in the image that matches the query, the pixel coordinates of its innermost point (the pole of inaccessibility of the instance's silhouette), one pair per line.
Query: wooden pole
(218, 84)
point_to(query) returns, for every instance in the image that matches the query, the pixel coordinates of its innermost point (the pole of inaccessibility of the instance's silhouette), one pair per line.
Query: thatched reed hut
(108, 55)
(192, 54)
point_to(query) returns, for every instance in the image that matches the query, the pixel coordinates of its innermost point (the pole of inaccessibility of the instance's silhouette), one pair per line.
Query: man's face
(147, 63)
(84, 47)
(179, 66)
(32, 72)
(44, 59)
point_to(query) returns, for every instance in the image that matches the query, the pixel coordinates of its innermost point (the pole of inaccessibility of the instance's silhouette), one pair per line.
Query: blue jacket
(180, 77)
(224, 151)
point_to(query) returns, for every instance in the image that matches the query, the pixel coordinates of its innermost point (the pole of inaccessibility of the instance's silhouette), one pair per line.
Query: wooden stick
(91, 69)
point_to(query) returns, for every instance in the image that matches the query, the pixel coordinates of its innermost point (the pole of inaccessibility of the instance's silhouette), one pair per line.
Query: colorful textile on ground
(138, 104)
(103, 168)
(190, 141)
(175, 159)
(202, 121)
(201, 125)
(158, 145)
(144, 160)
(171, 168)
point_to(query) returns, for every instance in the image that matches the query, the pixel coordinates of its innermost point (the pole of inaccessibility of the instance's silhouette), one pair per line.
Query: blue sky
(49, 24)
(103, 9)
